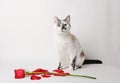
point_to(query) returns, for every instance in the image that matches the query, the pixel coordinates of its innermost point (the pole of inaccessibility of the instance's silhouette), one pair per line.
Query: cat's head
(62, 25)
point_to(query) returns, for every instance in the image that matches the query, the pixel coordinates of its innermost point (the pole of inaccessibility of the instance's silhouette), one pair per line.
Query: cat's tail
(92, 61)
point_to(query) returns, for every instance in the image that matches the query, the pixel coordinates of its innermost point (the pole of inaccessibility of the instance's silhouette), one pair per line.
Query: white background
(26, 30)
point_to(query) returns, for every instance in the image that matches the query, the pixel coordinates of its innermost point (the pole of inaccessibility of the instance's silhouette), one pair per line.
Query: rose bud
(19, 73)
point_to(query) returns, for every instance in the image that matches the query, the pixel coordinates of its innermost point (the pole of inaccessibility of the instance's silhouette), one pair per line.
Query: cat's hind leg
(80, 59)
(73, 64)
(77, 61)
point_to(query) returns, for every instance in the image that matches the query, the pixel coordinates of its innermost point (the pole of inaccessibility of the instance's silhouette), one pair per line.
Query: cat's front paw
(64, 67)
(60, 66)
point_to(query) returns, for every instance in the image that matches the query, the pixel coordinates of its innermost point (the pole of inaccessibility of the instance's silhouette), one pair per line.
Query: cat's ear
(67, 19)
(56, 19)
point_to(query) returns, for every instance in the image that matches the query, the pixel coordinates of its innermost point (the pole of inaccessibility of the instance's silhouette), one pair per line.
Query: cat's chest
(63, 40)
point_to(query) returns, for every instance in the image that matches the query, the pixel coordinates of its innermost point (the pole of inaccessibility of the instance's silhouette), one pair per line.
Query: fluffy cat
(69, 49)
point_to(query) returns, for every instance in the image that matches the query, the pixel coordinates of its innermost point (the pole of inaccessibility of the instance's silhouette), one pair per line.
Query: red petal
(58, 71)
(34, 77)
(37, 70)
(19, 73)
(56, 74)
(46, 76)
(40, 70)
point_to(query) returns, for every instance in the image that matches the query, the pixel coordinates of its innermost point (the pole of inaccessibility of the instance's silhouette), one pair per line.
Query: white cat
(68, 46)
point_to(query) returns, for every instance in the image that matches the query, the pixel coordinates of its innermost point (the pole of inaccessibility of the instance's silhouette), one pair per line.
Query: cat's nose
(62, 27)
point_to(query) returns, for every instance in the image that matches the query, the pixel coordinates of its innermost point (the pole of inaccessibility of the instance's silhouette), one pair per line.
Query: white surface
(26, 36)
(103, 73)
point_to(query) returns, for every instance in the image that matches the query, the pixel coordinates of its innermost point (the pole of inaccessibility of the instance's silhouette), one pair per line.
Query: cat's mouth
(63, 30)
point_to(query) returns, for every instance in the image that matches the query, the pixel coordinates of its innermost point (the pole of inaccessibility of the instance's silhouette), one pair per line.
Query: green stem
(84, 76)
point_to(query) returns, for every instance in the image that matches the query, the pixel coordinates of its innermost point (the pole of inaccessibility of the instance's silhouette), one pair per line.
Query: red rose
(34, 77)
(19, 73)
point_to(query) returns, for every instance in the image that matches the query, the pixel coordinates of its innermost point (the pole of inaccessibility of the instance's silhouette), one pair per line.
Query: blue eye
(65, 25)
(58, 25)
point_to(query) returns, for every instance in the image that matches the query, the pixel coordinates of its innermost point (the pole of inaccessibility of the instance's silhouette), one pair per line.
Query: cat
(68, 46)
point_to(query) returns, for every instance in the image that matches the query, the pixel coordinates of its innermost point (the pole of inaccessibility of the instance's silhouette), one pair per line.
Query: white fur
(68, 47)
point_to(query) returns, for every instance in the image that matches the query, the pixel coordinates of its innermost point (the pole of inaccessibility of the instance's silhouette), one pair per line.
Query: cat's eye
(58, 25)
(65, 25)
